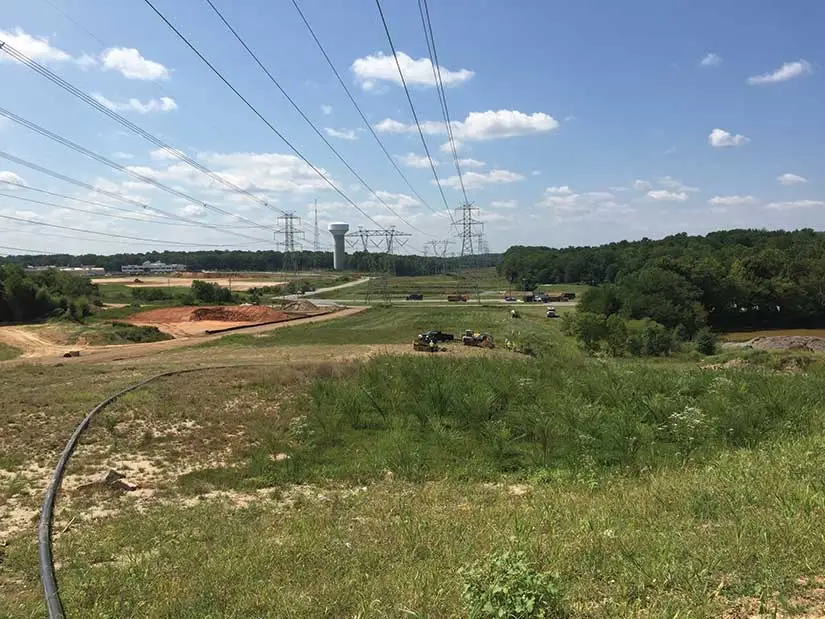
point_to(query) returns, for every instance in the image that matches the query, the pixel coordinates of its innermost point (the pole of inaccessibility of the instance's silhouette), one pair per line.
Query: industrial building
(149, 268)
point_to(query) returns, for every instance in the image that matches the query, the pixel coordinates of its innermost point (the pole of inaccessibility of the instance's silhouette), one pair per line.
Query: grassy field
(8, 352)
(397, 325)
(744, 336)
(303, 489)
(471, 282)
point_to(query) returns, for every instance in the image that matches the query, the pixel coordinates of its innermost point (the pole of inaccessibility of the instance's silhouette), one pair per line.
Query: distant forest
(734, 279)
(264, 261)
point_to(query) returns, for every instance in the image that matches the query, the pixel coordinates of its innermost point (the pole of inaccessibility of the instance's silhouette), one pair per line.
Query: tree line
(34, 296)
(728, 280)
(230, 260)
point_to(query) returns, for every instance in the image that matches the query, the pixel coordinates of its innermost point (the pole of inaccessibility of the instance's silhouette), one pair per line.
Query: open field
(332, 476)
(149, 281)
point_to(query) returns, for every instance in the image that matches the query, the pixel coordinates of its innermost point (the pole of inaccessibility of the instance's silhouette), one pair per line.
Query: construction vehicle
(551, 312)
(459, 298)
(425, 343)
(483, 340)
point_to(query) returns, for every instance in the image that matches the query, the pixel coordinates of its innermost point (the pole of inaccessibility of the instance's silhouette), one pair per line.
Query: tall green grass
(425, 418)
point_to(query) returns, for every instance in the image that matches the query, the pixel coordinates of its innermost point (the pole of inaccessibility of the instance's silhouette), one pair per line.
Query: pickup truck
(461, 298)
(437, 336)
(415, 296)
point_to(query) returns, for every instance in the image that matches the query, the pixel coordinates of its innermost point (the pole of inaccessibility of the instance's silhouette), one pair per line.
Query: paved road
(322, 302)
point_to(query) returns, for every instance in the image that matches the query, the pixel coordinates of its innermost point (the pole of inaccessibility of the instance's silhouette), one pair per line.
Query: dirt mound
(788, 342)
(301, 307)
(219, 313)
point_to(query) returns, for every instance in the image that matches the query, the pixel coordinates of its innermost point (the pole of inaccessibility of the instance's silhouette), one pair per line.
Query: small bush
(506, 585)
(656, 339)
(616, 340)
(705, 341)
(122, 332)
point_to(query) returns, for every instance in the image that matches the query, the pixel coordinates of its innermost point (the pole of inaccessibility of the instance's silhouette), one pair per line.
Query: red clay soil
(240, 313)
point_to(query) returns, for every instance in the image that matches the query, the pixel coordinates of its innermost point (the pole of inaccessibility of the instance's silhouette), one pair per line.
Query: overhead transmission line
(424, 10)
(367, 123)
(161, 220)
(312, 125)
(108, 234)
(115, 195)
(36, 252)
(91, 101)
(412, 108)
(112, 164)
(272, 128)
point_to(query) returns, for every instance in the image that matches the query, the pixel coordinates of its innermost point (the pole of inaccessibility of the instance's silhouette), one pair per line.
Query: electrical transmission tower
(386, 239)
(289, 226)
(470, 229)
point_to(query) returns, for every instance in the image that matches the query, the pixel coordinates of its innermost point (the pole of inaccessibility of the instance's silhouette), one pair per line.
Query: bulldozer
(483, 340)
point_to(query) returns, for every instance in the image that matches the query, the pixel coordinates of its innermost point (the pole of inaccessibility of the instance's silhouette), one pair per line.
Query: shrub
(617, 334)
(590, 329)
(208, 292)
(506, 585)
(656, 339)
(705, 341)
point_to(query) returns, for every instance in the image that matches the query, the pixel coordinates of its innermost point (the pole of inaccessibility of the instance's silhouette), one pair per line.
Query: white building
(151, 268)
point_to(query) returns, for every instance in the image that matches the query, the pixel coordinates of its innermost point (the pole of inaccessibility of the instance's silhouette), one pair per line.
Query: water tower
(338, 231)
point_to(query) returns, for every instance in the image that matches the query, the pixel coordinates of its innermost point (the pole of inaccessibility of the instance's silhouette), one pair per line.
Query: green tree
(705, 341)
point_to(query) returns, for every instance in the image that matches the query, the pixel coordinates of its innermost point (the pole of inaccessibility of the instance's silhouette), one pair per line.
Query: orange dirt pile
(240, 313)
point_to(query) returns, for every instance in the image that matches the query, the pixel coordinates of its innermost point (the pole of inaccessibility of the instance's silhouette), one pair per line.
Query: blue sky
(578, 122)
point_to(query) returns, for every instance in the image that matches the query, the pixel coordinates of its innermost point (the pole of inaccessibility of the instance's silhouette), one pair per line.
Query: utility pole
(316, 245)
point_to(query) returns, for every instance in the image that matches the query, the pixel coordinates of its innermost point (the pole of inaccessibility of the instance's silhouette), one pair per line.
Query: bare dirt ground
(166, 282)
(37, 349)
(193, 321)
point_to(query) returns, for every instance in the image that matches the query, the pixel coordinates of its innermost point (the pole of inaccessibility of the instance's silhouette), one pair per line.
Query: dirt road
(36, 349)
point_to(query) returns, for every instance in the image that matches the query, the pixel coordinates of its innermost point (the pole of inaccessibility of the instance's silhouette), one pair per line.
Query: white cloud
(471, 163)
(711, 60)
(568, 205)
(343, 134)
(36, 48)
(162, 154)
(535, 172)
(192, 210)
(132, 65)
(479, 179)
(641, 185)
(401, 200)
(445, 147)
(668, 196)
(10, 177)
(669, 182)
(326, 109)
(791, 179)
(122, 155)
(784, 206)
(719, 138)
(378, 67)
(480, 125)
(787, 71)
(731, 200)
(504, 204)
(164, 104)
(411, 160)
(564, 190)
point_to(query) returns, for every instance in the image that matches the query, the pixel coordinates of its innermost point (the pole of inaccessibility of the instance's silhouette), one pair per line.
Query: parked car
(509, 299)
(416, 296)
(551, 312)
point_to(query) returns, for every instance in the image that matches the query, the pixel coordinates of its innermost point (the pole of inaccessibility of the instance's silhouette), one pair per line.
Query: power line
(115, 195)
(424, 10)
(108, 234)
(358, 108)
(160, 221)
(108, 162)
(412, 107)
(312, 125)
(259, 115)
(91, 101)
(36, 252)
